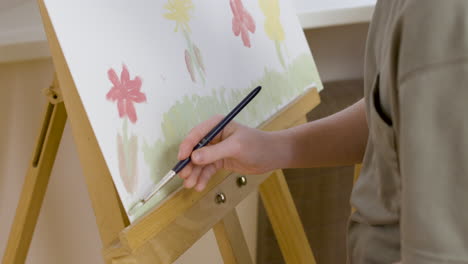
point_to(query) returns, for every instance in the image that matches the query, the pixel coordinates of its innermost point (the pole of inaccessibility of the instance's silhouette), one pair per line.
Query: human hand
(237, 148)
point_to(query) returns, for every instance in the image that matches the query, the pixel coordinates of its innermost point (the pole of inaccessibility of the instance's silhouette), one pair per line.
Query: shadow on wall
(5, 118)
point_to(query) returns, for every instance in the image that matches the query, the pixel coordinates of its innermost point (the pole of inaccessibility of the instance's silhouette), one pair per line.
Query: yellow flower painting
(179, 11)
(273, 26)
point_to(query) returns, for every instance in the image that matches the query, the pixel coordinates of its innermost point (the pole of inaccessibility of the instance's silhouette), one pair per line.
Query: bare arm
(339, 139)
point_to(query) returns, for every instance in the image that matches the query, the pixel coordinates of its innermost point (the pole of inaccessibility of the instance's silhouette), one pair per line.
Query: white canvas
(148, 71)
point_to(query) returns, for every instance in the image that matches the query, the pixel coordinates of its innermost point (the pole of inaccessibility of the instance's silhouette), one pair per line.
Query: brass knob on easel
(241, 181)
(220, 198)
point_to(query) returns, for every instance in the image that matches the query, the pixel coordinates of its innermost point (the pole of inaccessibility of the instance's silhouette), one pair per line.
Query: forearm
(337, 140)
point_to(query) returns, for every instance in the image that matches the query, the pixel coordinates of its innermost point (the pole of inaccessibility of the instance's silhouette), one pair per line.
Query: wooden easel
(166, 232)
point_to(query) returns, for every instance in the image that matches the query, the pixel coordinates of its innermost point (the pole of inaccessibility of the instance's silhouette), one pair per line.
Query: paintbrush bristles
(158, 187)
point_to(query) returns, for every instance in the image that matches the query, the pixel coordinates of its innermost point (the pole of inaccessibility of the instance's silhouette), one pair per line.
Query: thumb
(212, 153)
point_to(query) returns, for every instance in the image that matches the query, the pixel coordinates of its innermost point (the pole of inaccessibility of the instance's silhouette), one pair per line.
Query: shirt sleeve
(433, 132)
(433, 150)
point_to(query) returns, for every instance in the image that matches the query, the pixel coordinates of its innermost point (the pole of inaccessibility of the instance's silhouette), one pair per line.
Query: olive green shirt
(412, 194)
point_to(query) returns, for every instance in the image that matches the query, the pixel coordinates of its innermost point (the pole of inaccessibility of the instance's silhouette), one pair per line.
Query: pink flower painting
(189, 64)
(242, 22)
(126, 92)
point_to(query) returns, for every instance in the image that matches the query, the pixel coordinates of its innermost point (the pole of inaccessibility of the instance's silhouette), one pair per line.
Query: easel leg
(35, 184)
(285, 220)
(357, 171)
(231, 240)
(300, 121)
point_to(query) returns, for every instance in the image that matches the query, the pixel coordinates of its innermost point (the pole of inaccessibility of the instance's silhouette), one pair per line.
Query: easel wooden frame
(166, 232)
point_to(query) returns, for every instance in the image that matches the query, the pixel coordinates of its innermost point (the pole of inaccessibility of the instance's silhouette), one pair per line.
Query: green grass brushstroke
(278, 88)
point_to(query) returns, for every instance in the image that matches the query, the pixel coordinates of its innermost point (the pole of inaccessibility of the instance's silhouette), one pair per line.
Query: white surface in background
(22, 36)
(321, 5)
(323, 13)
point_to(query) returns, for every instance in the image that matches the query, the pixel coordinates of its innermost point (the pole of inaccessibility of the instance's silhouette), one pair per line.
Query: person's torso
(376, 194)
(409, 43)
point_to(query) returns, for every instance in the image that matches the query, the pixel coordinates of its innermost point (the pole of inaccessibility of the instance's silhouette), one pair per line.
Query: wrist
(281, 149)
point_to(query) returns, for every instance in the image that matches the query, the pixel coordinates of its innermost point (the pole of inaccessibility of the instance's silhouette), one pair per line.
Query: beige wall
(339, 51)
(66, 231)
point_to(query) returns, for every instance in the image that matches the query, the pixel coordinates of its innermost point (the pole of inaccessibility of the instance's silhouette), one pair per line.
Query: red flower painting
(126, 92)
(242, 21)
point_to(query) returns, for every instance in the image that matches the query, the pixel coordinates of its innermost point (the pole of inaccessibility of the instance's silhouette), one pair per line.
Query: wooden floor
(321, 195)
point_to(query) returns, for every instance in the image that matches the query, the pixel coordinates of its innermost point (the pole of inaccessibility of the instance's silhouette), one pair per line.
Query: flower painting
(273, 27)
(180, 12)
(126, 92)
(242, 21)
